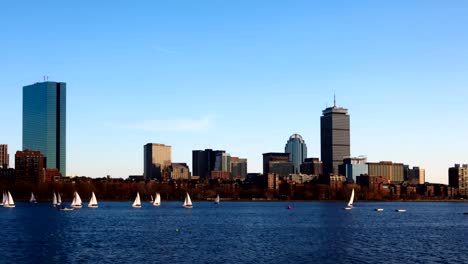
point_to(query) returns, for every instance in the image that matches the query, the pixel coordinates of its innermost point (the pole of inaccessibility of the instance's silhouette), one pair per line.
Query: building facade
(179, 171)
(238, 168)
(274, 157)
(391, 171)
(157, 159)
(223, 162)
(458, 178)
(334, 138)
(312, 166)
(414, 176)
(354, 167)
(4, 156)
(30, 166)
(297, 150)
(44, 122)
(204, 162)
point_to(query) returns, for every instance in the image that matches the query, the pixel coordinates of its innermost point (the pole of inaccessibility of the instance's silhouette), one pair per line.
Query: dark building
(274, 157)
(157, 159)
(334, 138)
(238, 168)
(281, 168)
(30, 166)
(458, 178)
(179, 171)
(7, 174)
(414, 176)
(312, 166)
(204, 162)
(44, 122)
(4, 156)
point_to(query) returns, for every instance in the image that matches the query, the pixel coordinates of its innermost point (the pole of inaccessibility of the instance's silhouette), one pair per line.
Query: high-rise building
(394, 172)
(297, 150)
(458, 178)
(30, 166)
(223, 162)
(179, 171)
(4, 156)
(274, 157)
(414, 176)
(44, 122)
(238, 168)
(157, 158)
(334, 138)
(312, 166)
(204, 162)
(354, 167)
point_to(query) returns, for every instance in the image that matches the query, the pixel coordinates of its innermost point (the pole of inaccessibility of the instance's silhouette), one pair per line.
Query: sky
(241, 76)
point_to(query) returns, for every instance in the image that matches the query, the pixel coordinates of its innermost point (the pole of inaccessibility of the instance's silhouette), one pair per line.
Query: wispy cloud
(163, 50)
(182, 125)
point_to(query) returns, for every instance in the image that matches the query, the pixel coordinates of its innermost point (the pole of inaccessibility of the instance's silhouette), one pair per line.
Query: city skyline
(211, 81)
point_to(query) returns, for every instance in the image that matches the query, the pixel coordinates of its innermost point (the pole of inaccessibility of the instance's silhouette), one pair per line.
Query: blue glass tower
(44, 122)
(297, 150)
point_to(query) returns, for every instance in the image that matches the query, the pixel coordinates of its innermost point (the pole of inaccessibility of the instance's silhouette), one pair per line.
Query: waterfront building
(274, 157)
(179, 171)
(44, 122)
(29, 166)
(414, 176)
(297, 150)
(392, 171)
(458, 178)
(157, 158)
(312, 166)
(223, 162)
(334, 138)
(238, 168)
(353, 167)
(204, 162)
(4, 156)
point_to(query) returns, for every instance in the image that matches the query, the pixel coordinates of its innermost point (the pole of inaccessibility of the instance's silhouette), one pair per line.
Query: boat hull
(66, 209)
(9, 206)
(93, 206)
(136, 206)
(400, 210)
(348, 208)
(77, 206)
(188, 206)
(379, 210)
(156, 205)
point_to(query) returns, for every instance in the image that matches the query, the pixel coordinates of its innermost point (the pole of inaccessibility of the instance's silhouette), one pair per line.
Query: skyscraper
(44, 122)
(297, 150)
(157, 158)
(204, 162)
(4, 157)
(334, 138)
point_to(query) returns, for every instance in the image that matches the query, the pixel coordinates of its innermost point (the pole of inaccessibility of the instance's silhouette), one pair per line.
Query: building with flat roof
(204, 162)
(4, 156)
(274, 157)
(312, 166)
(30, 166)
(458, 178)
(157, 158)
(44, 122)
(390, 170)
(353, 167)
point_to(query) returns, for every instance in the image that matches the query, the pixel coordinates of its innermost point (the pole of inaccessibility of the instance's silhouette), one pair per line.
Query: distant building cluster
(43, 157)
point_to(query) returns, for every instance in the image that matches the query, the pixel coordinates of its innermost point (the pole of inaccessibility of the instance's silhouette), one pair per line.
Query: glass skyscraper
(297, 150)
(44, 122)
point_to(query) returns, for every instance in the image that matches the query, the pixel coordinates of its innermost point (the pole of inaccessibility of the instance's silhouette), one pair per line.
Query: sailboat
(216, 201)
(93, 202)
(157, 201)
(59, 199)
(137, 202)
(76, 203)
(187, 202)
(9, 203)
(33, 198)
(54, 200)
(3, 199)
(152, 199)
(350, 203)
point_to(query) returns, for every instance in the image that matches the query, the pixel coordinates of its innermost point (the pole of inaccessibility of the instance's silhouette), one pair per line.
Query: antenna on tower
(334, 99)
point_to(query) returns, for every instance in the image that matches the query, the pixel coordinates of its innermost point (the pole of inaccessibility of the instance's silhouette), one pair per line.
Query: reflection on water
(236, 232)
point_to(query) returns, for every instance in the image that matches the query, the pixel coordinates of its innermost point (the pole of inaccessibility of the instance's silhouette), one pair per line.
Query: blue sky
(241, 76)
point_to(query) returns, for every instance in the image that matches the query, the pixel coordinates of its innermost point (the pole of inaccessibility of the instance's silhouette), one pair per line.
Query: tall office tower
(204, 162)
(157, 158)
(458, 178)
(238, 168)
(335, 138)
(4, 157)
(44, 122)
(297, 150)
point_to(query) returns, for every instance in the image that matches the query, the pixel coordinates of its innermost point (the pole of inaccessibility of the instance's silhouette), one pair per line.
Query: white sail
(157, 201)
(33, 198)
(217, 199)
(137, 202)
(152, 198)
(54, 200)
(59, 199)
(4, 198)
(9, 203)
(93, 202)
(76, 203)
(187, 202)
(351, 200)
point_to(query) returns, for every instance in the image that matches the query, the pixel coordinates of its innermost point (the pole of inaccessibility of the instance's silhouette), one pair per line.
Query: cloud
(181, 125)
(163, 50)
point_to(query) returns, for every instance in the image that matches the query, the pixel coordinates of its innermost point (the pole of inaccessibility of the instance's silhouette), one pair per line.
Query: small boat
(65, 209)
(137, 202)
(400, 210)
(59, 199)
(54, 200)
(9, 203)
(33, 198)
(289, 207)
(216, 201)
(351, 200)
(93, 202)
(3, 198)
(187, 202)
(379, 209)
(157, 201)
(152, 199)
(76, 203)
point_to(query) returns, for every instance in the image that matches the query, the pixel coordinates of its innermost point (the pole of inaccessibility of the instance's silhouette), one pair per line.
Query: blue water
(236, 232)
